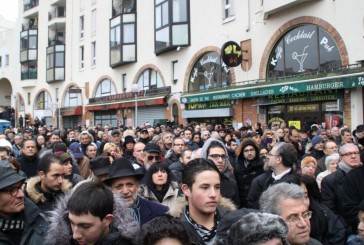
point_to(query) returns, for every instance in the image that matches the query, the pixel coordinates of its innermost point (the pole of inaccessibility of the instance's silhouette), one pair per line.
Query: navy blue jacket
(149, 210)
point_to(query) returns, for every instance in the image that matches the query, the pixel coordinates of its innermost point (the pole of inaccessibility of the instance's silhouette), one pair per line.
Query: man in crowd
(91, 151)
(152, 154)
(138, 157)
(94, 218)
(49, 185)
(231, 147)
(335, 135)
(81, 161)
(29, 158)
(346, 136)
(332, 190)
(173, 154)
(116, 137)
(71, 137)
(124, 180)
(144, 136)
(202, 208)
(288, 201)
(167, 140)
(330, 147)
(317, 147)
(21, 221)
(177, 167)
(85, 139)
(17, 146)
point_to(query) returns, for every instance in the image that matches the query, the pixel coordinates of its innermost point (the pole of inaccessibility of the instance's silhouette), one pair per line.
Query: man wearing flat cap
(152, 154)
(124, 180)
(20, 219)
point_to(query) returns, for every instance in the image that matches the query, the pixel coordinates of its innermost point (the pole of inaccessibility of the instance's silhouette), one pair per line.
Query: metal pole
(136, 109)
(59, 115)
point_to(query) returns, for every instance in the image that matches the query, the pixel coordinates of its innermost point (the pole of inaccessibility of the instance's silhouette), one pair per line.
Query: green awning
(267, 89)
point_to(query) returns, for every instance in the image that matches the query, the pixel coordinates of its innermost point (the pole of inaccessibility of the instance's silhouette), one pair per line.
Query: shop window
(172, 24)
(209, 72)
(72, 99)
(105, 88)
(43, 101)
(303, 50)
(150, 79)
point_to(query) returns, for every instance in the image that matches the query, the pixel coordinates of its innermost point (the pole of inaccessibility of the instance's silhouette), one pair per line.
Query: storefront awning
(208, 113)
(269, 89)
(126, 104)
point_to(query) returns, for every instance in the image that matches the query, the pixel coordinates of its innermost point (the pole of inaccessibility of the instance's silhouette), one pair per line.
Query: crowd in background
(156, 172)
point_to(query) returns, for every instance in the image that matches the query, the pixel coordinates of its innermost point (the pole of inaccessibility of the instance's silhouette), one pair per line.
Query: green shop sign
(341, 82)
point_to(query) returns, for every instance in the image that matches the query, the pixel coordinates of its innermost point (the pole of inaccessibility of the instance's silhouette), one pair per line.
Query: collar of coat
(37, 196)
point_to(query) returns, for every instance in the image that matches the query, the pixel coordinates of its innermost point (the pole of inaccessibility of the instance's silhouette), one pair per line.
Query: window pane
(129, 33)
(32, 42)
(162, 38)
(329, 52)
(165, 14)
(129, 53)
(59, 59)
(180, 35)
(179, 10)
(115, 56)
(158, 17)
(24, 43)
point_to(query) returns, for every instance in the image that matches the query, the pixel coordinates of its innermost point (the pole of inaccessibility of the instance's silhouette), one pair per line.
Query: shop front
(71, 116)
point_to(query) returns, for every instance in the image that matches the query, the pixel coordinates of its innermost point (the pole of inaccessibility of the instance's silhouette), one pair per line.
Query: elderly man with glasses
(288, 201)
(20, 219)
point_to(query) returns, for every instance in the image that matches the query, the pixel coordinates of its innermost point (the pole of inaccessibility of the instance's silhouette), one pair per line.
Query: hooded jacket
(245, 174)
(169, 197)
(45, 201)
(124, 229)
(229, 187)
(225, 206)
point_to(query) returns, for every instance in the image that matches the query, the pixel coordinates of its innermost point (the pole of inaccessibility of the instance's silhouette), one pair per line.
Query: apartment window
(6, 60)
(1, 61)
(82, 57)
(21, 103)
(150, 79)
(93, 22)
(72, 99)
(82, 26)
(43, 101)
(123, 83)
(123, 33)
(175, 71)
(93, 54)
(228, 10)
(105, 88)
(55, 63)
(29, 96)
(172, 24)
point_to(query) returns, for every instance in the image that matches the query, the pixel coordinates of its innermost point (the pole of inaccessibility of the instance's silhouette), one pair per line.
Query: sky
(9, 9)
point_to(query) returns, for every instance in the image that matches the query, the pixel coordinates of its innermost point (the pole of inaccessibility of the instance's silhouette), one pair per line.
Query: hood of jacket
(206, 146)
(177, 208)
(38, 197)
(245, 143)
(60, 232)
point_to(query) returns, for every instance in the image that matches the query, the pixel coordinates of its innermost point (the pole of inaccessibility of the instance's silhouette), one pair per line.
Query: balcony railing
(29, 4)
(54, 40)
(28, 75)
(28, 26)
(57, 13)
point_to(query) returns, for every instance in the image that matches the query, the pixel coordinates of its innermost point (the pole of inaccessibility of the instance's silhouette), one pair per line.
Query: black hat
(9, 177)
(115, 131)
(122, 167)
(100, 165)
(129, 139)
(144, 130)
(152, 147)
(360, 128)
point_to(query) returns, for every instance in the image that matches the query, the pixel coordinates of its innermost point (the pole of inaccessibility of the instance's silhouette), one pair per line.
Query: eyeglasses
(4, 158)
(348, 154)
(179, 144)
(13, 191)
(272, 155)
(217, 156)
(249, 150)
(157, 158)
(294, 220)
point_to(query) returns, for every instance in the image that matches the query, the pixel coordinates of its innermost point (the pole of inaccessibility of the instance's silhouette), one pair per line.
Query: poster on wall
(334, 119)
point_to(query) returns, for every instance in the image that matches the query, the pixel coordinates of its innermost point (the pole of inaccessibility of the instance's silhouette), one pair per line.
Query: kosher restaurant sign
(338, 82)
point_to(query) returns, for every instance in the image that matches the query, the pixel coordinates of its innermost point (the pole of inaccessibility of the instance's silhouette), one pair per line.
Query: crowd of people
(180, 185)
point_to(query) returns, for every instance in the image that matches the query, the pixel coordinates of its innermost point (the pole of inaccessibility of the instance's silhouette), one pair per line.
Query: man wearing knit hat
(317, 147)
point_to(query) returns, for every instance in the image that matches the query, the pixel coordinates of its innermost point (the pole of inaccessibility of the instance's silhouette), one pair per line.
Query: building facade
(130, 62)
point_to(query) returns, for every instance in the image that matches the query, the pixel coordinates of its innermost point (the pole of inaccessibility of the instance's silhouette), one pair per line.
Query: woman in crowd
(331, 163)
(113, 149)
(308, 166)
(40, 142)
(158, 185)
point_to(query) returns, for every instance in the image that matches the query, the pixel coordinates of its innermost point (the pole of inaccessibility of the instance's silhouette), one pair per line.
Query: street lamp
(136, 89)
